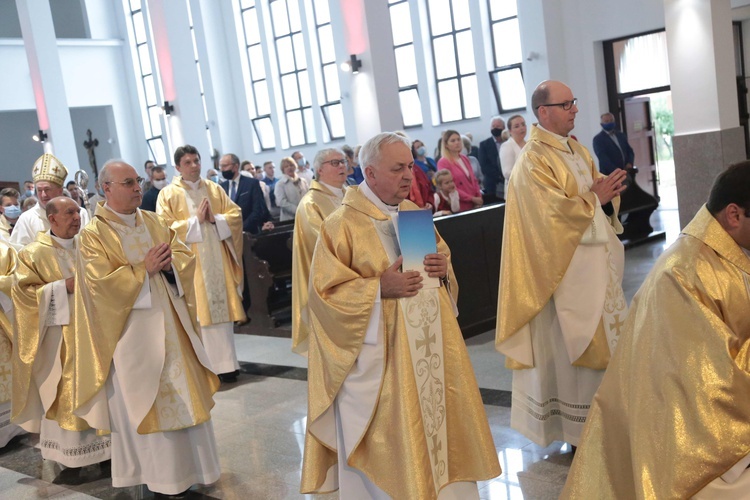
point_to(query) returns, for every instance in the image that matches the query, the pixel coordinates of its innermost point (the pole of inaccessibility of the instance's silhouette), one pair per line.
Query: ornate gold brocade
(216, 266)
(40, 263)
(106, 291)
(8, 262)
(317, 204)
(542, 230)
(393, 450)
(671, 414)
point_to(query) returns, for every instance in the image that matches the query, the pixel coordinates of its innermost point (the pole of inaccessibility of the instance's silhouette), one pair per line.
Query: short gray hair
(321, 155)
(370, 152)
(104, 175)
(496, 117)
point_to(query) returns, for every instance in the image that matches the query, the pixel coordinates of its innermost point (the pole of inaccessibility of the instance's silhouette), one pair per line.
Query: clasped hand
(158, 258)
(395, 284)
(607, 188)
(205, 213)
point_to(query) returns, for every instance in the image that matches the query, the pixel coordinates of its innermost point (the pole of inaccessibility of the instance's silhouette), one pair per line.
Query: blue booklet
(416, 234)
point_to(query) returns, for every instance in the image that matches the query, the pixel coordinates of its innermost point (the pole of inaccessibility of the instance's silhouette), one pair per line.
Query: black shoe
(184, 494)
(70, 476)
(229, 378)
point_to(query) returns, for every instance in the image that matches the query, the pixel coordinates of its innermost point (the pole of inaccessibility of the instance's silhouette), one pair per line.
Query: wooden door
(640, 131)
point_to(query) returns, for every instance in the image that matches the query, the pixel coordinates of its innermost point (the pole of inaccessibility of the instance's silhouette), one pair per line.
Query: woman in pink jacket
(469, 194)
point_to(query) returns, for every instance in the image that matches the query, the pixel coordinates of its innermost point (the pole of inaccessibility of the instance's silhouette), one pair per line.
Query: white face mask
(159, 184)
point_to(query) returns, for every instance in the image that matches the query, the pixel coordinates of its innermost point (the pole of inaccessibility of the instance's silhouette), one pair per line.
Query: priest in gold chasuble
(207, 220)
(672, 416)
(560, 299)
(394, 409)
(44, 342)
(319, 202)
(140, 368)
(8, 264)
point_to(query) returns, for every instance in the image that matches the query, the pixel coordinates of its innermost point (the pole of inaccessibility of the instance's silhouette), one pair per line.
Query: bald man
(142, 372)
(44, 342)
(561, 303)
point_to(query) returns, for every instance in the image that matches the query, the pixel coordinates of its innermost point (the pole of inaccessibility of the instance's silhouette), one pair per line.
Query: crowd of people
(118, 312)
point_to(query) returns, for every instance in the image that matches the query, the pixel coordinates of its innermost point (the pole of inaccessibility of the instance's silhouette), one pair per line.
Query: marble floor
(260, 423)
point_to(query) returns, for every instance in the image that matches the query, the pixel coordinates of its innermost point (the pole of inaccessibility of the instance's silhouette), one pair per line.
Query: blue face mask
(609, 127)
(421, 151)
(12, 211)
(29, 193)
(215, 178)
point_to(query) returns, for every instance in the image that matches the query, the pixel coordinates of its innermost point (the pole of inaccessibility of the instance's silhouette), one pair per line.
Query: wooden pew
(268, 271)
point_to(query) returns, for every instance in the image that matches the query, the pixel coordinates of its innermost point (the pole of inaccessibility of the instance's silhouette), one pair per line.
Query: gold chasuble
(673, 413)
(393, 451)
(218, 269)
(8, 262)
(110, 276)
(544, 226)
(41, 262)
(317, 204)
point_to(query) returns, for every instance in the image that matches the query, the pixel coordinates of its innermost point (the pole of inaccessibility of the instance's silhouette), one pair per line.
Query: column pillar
(707, 136)
(47, 81)
(178, 72)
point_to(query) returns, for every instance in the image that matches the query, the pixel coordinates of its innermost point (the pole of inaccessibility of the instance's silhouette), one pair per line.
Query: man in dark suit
(245, 192)
(489, 161)
(158, 182)
(612, 148)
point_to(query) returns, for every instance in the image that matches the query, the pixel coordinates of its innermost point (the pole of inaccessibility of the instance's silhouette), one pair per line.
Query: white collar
(68, 244)
(192, 185)
(128, 219)
(563, 139)
(338, 192)
(365, 189)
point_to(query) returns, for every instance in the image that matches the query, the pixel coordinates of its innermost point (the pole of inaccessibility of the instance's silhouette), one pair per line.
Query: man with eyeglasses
(672, 418)
(561, 304)
(324, 196)
(49, 176)
(205, 218)
(140, 369)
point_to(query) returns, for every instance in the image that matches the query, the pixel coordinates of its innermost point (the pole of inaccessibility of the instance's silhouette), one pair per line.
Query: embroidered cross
(425, 341)
(437, 446)
(617, 324)
(169, 392)
(56, 169)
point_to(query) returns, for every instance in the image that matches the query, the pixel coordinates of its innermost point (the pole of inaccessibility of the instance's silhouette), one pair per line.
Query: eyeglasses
(128, 183)
(564, 105)
(337, 163)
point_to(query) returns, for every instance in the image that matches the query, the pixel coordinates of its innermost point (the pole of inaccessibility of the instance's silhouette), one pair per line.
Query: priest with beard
(140, 368)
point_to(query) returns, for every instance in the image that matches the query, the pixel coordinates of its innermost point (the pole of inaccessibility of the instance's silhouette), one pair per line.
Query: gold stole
(173, 408)
(424, 331)
(7, 268)
(212, 265)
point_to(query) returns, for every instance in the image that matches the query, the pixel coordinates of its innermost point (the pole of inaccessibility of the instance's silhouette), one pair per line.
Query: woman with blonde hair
(469, 194)
(290, 189)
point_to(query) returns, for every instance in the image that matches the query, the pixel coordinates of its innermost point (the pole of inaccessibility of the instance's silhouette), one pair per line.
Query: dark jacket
(609, 155)
(149, 199)
(489, 161)
(249, 198)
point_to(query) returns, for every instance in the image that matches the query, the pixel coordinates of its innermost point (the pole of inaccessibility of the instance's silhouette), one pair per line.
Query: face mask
(227, 174)
(301, 161)
(421, 151)
(159, 184)
(497, 132)
(608, 126)
(12, 211)
(29, 193)
(214, 178)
